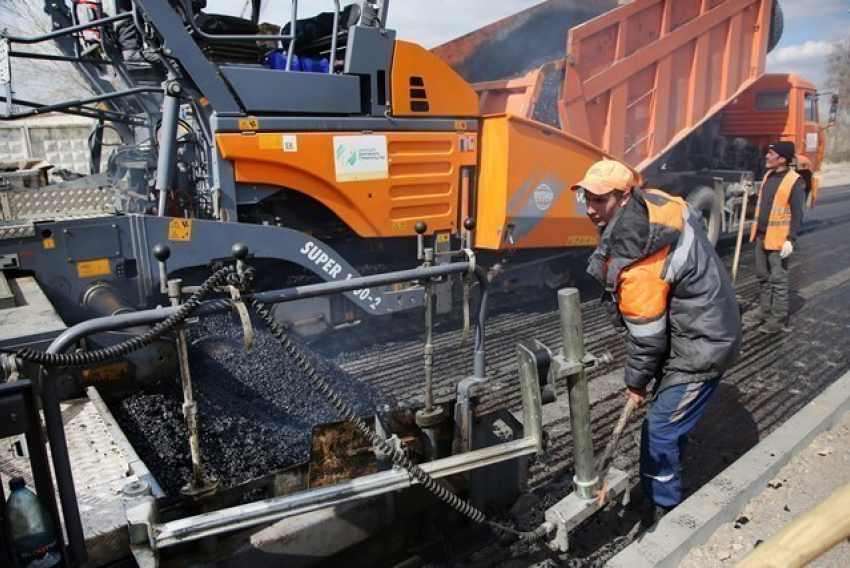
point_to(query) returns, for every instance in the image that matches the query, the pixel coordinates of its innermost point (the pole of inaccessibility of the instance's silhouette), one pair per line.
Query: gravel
(256, 410)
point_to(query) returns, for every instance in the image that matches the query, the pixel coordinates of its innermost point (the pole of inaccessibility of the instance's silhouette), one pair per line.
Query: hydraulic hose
(398, 458)
(226, 275)
(229, 276)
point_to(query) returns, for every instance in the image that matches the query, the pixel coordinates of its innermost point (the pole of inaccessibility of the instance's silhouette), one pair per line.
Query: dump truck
(679, 96)
(322, 173)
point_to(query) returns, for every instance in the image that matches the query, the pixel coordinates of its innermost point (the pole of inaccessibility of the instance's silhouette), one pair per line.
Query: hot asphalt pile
(546, 107)
(256, 409)
(540, 39)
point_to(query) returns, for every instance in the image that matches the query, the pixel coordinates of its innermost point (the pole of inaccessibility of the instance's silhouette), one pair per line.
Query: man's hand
(787, 249)
(637, 396)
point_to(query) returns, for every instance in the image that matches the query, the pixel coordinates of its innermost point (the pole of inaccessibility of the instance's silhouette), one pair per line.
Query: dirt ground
(807, 480)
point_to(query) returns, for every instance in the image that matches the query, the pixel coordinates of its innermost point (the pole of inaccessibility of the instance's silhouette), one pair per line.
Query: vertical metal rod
(77, 555)
(41, 469)
(190, 407)
(385, 8)
(294, 33)
(334, 38)
(586, 479)
(429, 336)
(167, 147)
(8, 88)
(740, 236)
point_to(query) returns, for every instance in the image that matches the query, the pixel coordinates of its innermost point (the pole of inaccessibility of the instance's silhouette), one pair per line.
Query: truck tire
(777, 26)
(704, 200)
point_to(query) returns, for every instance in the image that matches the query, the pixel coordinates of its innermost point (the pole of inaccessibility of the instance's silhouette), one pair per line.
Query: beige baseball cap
(606, 176)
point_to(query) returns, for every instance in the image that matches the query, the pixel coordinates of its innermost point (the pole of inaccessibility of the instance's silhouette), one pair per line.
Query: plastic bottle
(34, 543)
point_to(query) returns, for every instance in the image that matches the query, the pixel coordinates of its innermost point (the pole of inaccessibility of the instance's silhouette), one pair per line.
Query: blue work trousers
(671, 417)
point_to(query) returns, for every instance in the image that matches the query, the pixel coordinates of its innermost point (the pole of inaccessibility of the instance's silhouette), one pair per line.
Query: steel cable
(396, 456)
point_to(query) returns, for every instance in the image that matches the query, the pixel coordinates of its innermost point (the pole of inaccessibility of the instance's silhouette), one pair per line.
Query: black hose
(70, 360)
(228, 275)
(398, 458)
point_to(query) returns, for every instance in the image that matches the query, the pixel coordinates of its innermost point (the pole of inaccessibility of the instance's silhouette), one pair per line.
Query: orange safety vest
(779, 222)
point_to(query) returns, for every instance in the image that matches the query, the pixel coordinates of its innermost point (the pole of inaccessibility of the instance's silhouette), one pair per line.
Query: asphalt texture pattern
(256, 413)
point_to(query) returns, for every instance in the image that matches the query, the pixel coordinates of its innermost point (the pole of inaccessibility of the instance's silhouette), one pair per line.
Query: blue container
(311, 65)
(277, 60)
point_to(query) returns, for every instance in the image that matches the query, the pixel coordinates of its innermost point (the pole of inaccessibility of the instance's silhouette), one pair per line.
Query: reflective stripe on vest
(646, 314)
(779, 222)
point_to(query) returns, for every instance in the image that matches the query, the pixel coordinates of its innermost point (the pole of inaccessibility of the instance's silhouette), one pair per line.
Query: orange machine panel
(424, 85)
(524, 200)
(379, 184)
(644, 76)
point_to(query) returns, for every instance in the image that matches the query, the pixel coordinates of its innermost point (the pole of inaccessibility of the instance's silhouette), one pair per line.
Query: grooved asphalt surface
(261, 421)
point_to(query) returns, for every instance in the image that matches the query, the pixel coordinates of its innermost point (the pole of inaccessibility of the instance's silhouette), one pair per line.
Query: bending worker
(665, 284)
(778, 214)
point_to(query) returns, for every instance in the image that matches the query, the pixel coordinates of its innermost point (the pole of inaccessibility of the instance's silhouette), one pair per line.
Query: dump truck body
(647, 83)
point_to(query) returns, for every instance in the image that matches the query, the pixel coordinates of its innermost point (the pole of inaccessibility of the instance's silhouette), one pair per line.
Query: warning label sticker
(180, 230)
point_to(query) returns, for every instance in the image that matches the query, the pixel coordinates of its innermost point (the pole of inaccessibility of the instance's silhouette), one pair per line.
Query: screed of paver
(807, 480)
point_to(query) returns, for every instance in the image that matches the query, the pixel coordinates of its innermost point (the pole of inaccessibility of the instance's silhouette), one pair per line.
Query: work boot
(756, 317)
(771, 326)
(652, 513)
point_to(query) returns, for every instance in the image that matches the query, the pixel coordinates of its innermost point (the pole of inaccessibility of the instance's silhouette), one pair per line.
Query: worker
(779, 211)
(669, 292)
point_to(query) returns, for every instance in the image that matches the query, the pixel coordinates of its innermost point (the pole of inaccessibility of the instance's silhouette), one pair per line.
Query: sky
(811, 29)
(811, 26)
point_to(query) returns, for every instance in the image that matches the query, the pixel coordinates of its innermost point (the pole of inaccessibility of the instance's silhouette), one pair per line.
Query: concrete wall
(61, 140)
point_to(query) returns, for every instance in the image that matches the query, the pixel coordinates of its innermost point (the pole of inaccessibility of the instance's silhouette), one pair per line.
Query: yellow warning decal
(443, 237)
(249, 124)
(107, 373)
(589, 241)
(180, 230)
(271, 142)
(399, 225)
(49, 243)
(92, 268)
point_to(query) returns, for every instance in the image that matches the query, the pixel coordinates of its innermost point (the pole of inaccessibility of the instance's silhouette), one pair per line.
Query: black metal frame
(49, 387)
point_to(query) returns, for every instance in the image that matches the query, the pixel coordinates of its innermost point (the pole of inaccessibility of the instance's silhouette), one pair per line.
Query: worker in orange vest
(778, 215)
(668, 290)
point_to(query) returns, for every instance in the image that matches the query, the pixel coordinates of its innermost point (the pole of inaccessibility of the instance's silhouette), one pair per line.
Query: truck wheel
(777, 26)
(704, 200)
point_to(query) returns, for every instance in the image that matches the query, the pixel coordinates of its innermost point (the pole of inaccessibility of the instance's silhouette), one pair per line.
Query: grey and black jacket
(670, 290)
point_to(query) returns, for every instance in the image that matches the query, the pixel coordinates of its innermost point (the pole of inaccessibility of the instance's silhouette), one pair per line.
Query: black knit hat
(785, 149)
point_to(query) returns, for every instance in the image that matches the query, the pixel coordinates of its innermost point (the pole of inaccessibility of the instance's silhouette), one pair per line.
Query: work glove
(787, 249)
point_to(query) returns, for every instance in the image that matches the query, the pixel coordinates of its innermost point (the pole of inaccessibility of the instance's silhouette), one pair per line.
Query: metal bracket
(463, 414)
(244, 317)
(141, 509)
(9, 365)
(572, 510)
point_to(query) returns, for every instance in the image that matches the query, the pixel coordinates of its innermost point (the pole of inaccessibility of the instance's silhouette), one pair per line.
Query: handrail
(67, 31)
(69, 106)
(292, 37)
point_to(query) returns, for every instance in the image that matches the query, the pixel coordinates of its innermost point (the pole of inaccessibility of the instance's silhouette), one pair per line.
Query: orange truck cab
(779, 107)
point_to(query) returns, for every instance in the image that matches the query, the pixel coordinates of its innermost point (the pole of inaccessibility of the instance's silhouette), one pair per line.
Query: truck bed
(634, 80)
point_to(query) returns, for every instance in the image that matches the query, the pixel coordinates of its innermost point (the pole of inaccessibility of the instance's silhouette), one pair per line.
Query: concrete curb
(722, 499)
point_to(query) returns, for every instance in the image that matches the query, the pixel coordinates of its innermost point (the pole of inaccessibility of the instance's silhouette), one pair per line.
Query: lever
(162, 253)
